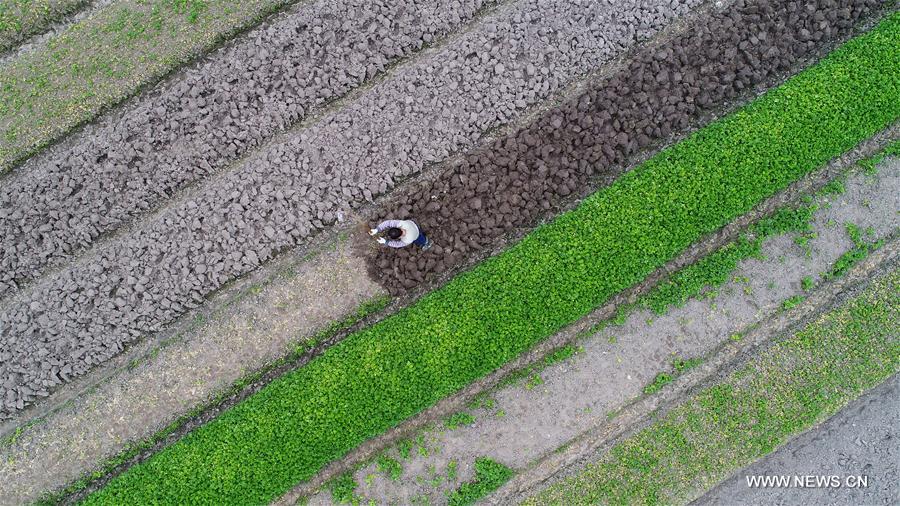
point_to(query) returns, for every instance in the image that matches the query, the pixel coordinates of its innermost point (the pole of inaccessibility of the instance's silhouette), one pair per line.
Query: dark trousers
(421, 241)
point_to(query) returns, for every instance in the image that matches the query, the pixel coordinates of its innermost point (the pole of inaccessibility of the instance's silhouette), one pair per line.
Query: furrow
(61, 202)
(520, 179)
(287, 193)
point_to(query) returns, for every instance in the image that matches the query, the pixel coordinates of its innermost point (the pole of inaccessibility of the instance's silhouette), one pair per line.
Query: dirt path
(536, 416)
(862, 440)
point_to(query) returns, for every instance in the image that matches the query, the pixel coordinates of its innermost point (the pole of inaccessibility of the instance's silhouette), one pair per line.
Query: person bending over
(400, 234)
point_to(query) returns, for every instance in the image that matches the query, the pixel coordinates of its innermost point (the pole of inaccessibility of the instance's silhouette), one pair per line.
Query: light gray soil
(87, 313)
(199, 121)
(171, 380)
(862, 440)
(618, 362)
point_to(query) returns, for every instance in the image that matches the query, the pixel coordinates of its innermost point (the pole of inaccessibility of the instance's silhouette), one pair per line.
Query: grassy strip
(304, 346)
(20, 19)
(489, 476)
(106, 58)
(798, 383)
(382, 375)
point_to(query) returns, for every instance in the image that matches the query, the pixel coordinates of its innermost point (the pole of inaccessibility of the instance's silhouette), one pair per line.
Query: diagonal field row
(862, 429)
(295, 188)
(377, 377)
(100, 61)
(799, 381)
(61, 201)
(515, 181)
(265, 323)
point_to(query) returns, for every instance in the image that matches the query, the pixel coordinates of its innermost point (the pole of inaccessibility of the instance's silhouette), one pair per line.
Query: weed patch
(458, 420)
(489, 476)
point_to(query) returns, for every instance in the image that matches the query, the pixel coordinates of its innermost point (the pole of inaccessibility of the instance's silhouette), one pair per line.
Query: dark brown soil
(522, 178)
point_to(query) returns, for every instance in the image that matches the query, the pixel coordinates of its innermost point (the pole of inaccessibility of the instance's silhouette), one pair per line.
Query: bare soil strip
(281, 197)
(201, 120)
(513, 183)
(873, 281)
(531, 418)
(258, 325)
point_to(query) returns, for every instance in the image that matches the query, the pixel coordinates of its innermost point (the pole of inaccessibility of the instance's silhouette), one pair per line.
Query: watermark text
(807, 481)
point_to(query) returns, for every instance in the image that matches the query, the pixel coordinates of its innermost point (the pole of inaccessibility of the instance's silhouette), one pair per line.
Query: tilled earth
(163, 381)
(536, 415)
(282, 195)
(62, 201)
(515, 181)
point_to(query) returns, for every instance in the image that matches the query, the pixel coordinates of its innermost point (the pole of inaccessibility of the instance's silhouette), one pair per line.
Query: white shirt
(409, 228)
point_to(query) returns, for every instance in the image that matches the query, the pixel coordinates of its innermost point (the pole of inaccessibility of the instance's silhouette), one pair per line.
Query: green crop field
(380, 376)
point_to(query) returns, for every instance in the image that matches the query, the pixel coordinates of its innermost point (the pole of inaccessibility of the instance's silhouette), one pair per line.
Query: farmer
(401, 233)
